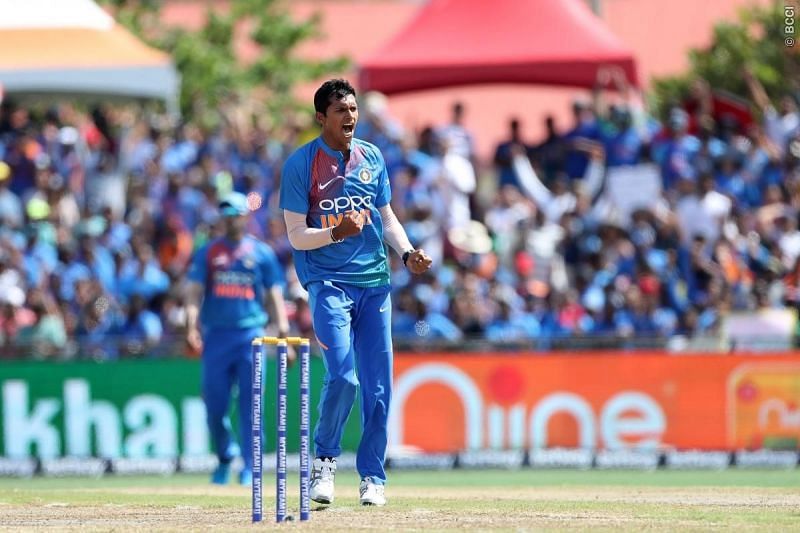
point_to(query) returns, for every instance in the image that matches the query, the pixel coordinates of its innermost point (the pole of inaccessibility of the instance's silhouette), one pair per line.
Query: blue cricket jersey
(235, 278)
(317, 182)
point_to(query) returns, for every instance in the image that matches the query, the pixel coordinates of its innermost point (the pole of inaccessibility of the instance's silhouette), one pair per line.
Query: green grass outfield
(443, 500)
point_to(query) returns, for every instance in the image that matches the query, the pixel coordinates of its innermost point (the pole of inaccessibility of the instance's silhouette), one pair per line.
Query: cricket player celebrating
(335, 195)
(233, 275)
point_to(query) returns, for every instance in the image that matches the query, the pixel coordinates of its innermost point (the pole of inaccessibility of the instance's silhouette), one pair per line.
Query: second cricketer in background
(233, 275)
(335, 196)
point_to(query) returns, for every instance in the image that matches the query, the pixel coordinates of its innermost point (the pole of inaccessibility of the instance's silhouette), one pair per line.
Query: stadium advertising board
(443, 403)
(596, 401)
(130, 409)
(122, 409)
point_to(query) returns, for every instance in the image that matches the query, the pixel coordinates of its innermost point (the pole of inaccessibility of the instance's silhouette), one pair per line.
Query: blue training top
(317, 182)
(235, 278)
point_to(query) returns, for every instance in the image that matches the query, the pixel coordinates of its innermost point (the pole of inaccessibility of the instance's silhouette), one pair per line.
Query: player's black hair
(331, 89)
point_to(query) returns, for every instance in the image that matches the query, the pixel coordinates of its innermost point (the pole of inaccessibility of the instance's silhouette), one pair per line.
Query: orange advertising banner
(452, 402)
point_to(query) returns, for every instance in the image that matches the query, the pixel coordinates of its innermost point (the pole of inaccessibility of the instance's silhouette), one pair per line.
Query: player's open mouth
(348, 129)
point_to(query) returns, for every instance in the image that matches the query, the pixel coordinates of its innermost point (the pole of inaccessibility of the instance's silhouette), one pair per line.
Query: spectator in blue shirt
(509, 325)
(141, 330)
(675, 150)
(623, 143)
(585, 128)
(505, 152)
(424, 324)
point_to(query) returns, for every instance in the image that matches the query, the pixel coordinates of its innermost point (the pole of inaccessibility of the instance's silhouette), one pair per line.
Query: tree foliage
(212, 77)
(756, 41)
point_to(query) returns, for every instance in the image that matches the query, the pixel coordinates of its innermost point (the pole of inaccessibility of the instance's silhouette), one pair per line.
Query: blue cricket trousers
(353, 327)
(228, 360)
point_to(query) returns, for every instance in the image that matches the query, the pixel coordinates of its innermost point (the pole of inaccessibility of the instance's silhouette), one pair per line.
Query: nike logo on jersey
(323, 186)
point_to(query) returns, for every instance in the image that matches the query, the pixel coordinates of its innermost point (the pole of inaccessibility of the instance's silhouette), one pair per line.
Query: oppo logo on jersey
(342, 204)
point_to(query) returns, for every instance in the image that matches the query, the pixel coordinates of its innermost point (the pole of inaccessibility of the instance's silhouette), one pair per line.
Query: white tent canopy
(73, 47)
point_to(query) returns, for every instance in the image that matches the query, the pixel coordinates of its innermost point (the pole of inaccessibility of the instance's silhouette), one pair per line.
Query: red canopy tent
(461, 42)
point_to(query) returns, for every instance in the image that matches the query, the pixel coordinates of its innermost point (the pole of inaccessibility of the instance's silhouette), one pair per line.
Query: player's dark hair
(331, 89)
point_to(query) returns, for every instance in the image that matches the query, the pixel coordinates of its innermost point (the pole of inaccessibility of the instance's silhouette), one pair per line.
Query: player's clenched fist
(352, 223)
(418, 262)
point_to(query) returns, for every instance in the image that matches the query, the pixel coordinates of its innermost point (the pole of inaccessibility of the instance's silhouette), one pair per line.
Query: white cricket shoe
(371, 493)
(323, 472)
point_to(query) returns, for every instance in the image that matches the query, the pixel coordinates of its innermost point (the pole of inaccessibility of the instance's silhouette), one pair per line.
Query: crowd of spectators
(617, 226)
(618, 229)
